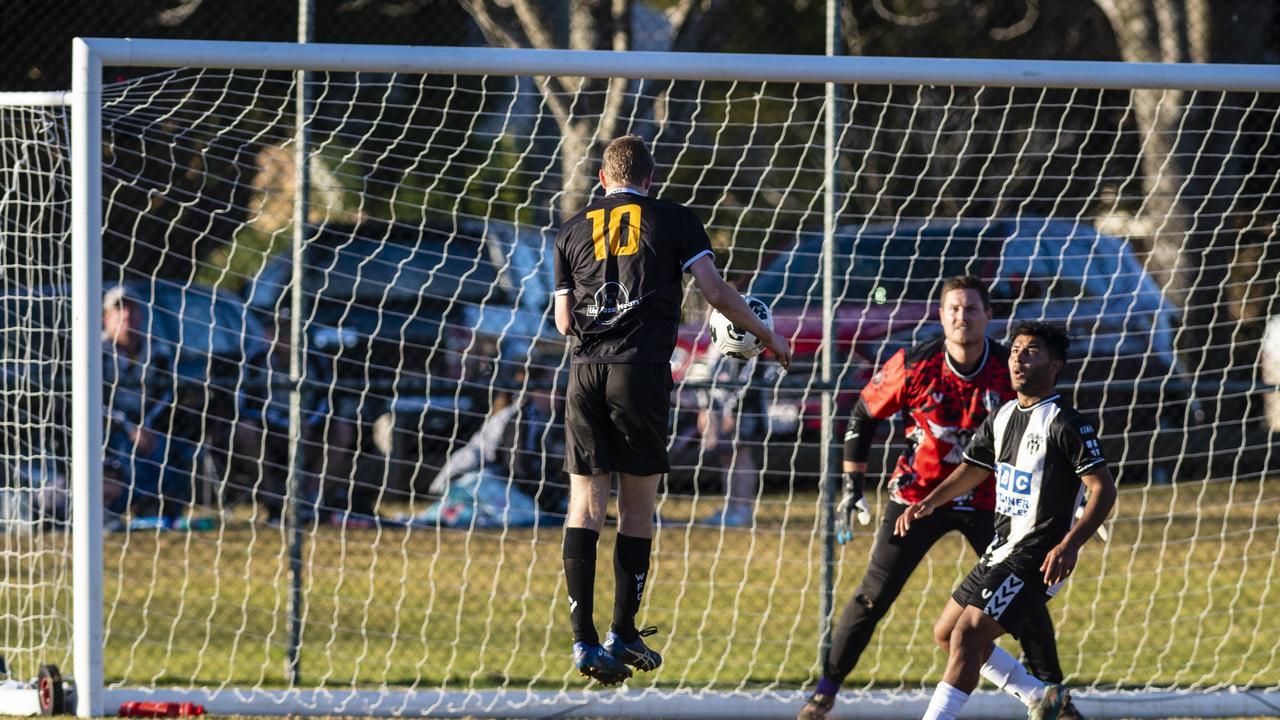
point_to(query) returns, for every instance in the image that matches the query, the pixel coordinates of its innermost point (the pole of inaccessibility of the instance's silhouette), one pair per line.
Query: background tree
(1189, 192)
(1186, 209)
(587, 112)
(180, 193)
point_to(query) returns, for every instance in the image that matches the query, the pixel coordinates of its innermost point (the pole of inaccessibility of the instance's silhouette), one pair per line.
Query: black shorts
(617, 419)
(1008, 592)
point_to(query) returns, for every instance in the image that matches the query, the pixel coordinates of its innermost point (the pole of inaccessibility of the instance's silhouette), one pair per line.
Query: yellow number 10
(618, 245)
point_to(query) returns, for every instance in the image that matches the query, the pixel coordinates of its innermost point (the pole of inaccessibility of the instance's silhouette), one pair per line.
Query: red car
(887, 278)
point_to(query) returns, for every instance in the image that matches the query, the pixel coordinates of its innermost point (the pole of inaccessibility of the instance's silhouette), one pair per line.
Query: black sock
(580, 573)
(630, 570)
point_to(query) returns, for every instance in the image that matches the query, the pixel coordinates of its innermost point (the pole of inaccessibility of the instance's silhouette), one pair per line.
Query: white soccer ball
(731, 340)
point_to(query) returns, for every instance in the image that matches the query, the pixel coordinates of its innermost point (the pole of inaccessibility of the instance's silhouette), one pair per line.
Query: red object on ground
(148, 708)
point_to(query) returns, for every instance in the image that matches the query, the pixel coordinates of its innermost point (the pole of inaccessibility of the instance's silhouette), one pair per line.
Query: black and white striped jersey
(1038, 454)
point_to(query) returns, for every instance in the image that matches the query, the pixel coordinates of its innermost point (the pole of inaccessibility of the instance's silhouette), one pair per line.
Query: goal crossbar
(681, 66)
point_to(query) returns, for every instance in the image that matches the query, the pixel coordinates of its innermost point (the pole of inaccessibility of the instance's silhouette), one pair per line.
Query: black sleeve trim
(861, 432)
(966, 458)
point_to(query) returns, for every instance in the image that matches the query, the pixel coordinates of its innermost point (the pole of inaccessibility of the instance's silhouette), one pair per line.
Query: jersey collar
(616, 191)
(986, 351)
(1029, 408)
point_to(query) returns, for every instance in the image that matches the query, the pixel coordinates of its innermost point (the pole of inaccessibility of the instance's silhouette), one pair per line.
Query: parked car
(417, 323)
(887, 279)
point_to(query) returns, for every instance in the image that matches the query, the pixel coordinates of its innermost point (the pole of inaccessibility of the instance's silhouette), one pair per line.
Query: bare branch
(353, 6)
(905, 20)
(691, 21)
(550, 93)
(1020, 28)
(173, 17)
(495, 32)
(534, 23)
(852, 31)
(501, 34)
(680, 14)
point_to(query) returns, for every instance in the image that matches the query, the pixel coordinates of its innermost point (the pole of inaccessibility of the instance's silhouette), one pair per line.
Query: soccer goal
(347, 499)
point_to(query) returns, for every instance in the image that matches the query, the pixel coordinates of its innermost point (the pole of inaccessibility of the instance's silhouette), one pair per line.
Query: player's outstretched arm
(723, 297)
(1061, 559)
(964, 478)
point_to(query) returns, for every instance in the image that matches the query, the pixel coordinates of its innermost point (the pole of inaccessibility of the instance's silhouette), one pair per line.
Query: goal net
(425, 573)
(35, 592)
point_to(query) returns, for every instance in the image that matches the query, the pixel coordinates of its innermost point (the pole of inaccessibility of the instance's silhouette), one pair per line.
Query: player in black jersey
(619, 268)
(1044, 455)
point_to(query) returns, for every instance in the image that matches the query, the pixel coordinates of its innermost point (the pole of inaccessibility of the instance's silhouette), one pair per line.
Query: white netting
(35, 589)
(434, 201)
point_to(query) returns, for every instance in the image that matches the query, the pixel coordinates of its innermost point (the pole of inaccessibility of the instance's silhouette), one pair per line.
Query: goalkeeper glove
(851, 501)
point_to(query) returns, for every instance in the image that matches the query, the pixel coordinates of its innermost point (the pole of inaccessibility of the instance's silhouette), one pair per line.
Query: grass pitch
(1185, 593)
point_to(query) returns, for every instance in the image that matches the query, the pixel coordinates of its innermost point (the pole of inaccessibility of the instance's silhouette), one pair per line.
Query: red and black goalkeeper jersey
(943, 410)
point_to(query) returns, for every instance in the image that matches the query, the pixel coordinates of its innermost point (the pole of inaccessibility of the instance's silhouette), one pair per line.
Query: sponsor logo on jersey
(1094, 448)
(1013, 491)
(611, 301)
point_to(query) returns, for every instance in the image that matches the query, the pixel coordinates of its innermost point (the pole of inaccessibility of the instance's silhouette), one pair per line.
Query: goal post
(86, 376)
(1027, 171)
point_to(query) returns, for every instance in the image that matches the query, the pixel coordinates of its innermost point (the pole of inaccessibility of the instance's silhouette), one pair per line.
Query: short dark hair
(967, 282)
(627, 160)
(1053, 335)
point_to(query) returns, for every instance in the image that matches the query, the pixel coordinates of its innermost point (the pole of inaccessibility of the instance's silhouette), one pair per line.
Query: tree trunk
(1193, 167)
(1143, 34)
(595, 104)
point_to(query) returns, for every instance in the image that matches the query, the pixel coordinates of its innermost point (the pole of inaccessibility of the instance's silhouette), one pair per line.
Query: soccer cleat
(1070, 712)
(636, 653)
(730, 516)
(817, 707)
(594, 662)
(1050, 705)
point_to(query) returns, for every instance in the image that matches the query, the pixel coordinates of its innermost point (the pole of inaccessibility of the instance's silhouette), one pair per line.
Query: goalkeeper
(946, 387)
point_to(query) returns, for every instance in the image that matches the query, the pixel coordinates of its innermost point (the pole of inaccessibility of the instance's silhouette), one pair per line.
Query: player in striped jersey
(1044, 454)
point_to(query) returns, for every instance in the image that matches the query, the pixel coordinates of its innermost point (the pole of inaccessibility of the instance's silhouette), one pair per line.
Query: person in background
(731, 425)
(148, 471)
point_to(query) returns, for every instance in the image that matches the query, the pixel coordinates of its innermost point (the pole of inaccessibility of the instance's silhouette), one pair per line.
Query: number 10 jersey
(621, 260)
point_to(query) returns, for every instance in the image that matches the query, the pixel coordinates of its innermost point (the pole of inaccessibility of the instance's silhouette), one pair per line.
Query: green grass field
(1184, 596)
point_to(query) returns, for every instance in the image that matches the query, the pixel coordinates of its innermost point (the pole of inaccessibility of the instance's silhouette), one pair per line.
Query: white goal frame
(92, 55)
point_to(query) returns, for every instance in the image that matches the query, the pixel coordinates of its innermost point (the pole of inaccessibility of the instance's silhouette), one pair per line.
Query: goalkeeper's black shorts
(616, 419)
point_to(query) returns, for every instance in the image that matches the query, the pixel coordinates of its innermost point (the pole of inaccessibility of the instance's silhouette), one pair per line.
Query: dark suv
(417, 324)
